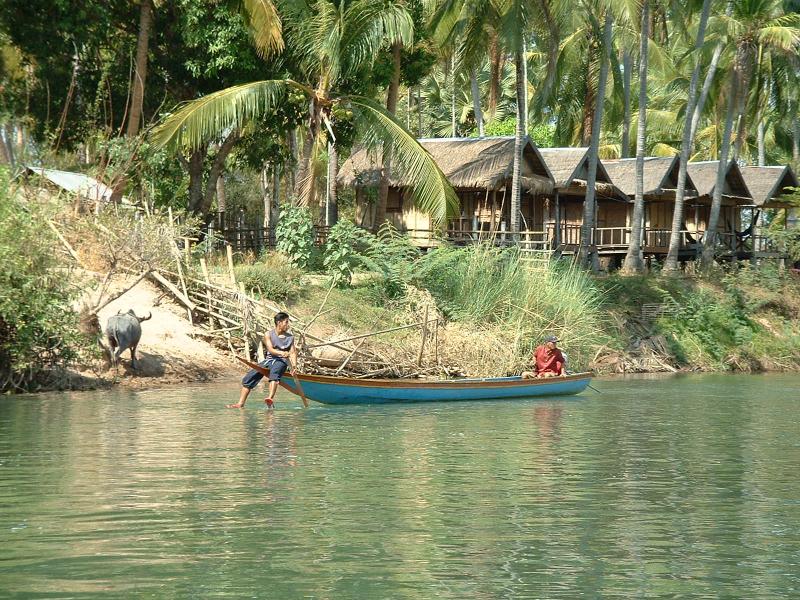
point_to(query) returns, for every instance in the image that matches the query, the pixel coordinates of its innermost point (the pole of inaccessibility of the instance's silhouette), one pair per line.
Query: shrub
(344, 250)
(275, 277)
(295, 235)
(38, 329)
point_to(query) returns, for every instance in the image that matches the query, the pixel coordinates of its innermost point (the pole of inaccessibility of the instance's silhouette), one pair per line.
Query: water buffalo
(124, 331)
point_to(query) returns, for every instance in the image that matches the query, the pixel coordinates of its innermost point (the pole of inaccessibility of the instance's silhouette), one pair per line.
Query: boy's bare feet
(234, 406)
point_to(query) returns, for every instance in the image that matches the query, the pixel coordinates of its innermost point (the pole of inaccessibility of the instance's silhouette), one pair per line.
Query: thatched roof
(767, 184)
(704, 175)
(468, 163)
(570, 164)
(660, 175)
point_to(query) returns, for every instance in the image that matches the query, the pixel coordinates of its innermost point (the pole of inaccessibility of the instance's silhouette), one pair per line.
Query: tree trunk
(710, 240)
(762, 150)
(306, 185)
(589, 99)
(391, 107)
(709, 80)
(332, 206)
(525, 85)
(516, 188)
(453, 121)
(221, 202)
(633, 259)
(671, 261)
(476, 101)
(495, 73)
(589, 256)
(195, 168)
(626, 99)
(140, 71)
(796, 138)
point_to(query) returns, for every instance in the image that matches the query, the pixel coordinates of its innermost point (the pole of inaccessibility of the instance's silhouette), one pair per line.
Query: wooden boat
(344, 390)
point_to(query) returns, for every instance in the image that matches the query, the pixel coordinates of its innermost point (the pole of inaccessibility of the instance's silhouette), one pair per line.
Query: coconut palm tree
(753, 24)
(671, 261)
(334, 41)
(633, 259)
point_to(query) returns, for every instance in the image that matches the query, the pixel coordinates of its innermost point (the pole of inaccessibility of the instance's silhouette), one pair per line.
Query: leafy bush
(344, 250)
(38, 329)
(295, 235)
(275, 277)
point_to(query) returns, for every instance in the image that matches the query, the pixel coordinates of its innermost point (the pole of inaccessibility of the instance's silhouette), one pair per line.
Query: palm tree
(586, 255)
(753, 24)
(334, 41)
(671, 261)
(633, 259)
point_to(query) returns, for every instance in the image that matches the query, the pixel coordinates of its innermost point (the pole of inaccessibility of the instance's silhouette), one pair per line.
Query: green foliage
(482, 285)
(542, 134)
(295, 235)
(273, 277)
(37, 326)
(344, 248)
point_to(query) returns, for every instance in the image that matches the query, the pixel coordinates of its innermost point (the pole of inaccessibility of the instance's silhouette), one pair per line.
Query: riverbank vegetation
(494, 304)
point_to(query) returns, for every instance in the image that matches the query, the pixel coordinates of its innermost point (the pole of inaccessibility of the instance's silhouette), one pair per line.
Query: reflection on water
(673, 487)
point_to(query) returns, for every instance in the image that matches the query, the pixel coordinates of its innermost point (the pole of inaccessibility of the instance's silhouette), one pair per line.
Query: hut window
(394, 201)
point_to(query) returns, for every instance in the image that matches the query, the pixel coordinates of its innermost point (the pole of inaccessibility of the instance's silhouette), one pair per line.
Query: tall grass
(495, 290)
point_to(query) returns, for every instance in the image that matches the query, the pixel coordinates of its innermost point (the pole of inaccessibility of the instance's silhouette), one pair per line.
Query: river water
(675, 487)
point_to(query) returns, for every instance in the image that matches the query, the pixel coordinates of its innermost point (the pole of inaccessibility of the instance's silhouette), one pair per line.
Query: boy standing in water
(281, 351)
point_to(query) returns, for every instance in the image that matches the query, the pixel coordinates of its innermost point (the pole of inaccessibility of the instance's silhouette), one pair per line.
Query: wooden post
(207, 279)
(436, 341)
(177, 256)
(245, 328)
(232, 273)
(424, 335)
(557, 232)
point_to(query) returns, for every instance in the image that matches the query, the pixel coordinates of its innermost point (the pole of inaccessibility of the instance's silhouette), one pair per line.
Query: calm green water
(658, 487)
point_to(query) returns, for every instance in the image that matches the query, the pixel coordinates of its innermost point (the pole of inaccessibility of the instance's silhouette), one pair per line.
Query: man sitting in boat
(281, 351)
(548, 361)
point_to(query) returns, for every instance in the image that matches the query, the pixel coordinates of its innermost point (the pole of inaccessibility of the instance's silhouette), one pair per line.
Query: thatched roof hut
(704, 176)
(570, 169)
(768, 184)
(660, 176)
(468, 163)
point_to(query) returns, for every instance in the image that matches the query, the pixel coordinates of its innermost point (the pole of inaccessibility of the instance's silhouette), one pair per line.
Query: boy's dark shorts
(277, 367)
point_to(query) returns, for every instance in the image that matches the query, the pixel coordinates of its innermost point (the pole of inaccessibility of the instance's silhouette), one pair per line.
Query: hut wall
(612, 214)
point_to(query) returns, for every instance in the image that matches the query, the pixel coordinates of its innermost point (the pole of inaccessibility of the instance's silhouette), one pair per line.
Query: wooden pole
(204, 268)
(245, 329)
(424, 336)
(436, 341)
(229, 252)
(358, 337)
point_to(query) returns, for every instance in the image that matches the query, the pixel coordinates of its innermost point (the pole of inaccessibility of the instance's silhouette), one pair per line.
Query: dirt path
(169, 351)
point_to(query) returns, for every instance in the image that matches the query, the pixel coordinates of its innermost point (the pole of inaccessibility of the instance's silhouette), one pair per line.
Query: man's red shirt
(548, 361)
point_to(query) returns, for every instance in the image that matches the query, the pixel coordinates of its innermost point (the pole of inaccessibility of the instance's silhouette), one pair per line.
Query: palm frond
(207, 118)
(432, 193)
(265, 25)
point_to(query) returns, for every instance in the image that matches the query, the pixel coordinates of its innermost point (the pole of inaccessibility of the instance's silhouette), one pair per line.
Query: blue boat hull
(339, 390)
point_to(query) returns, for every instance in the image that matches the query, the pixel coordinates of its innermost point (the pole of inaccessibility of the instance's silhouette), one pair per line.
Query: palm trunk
(495, 73)
(710, 240)
(671, 261)
(195, 168)
(476, 101)
(453, 123)
(796, 139)
(332, 206)
(516, 188)
(140, 72)
(524, 86)
(587, 227)
(589, 100)
(709, 80)
(626, 99)
(391, 107)
(633, 259)
(762, 150)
